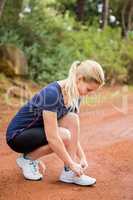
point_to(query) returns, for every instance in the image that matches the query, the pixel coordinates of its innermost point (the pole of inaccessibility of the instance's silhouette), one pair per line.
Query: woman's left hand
(83, 163)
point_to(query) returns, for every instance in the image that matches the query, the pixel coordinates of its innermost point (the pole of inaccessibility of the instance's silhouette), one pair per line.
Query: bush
(52, 41)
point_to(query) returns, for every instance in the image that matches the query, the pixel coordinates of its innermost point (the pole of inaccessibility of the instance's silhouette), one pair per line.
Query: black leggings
(28, 140)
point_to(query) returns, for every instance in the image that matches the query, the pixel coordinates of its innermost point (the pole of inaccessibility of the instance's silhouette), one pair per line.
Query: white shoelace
(35, 167)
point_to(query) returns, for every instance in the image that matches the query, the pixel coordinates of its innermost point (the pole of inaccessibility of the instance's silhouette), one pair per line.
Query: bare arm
(53, 137)
(82, 157)
(80, 152)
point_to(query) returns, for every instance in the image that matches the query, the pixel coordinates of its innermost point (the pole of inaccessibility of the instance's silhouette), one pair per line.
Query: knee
(67, 137)
(65, 134)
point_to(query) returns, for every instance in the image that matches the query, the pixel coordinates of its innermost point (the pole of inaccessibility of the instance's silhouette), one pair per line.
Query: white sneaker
(70, 177)
(29, 168)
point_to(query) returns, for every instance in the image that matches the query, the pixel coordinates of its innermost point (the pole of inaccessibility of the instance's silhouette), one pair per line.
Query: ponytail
(71, 86)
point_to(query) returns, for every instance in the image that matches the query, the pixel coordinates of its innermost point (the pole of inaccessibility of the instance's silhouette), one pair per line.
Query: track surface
(107, 138)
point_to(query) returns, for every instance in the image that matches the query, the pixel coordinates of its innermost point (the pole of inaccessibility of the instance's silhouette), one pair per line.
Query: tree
(2, 4)
(80, 9)
(123, 10)
(127, 17)
(105, 13)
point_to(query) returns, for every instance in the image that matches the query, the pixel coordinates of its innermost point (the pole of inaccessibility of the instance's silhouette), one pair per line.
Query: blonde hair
(90, 70)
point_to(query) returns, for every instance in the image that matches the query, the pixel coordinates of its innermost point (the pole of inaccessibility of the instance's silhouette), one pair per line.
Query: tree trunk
(105, 11)
(80, 6)
(2, 3)
(130, 16)
(126, 18)
(123, 28)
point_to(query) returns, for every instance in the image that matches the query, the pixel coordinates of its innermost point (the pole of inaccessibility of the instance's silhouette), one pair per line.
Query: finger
(86, 167)
(82, 171)
(78, 173)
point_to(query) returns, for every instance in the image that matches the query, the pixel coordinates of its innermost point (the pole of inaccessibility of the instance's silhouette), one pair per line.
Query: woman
(49, 123)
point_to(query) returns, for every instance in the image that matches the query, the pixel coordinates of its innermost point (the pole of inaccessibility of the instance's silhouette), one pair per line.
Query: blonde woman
(49, 123)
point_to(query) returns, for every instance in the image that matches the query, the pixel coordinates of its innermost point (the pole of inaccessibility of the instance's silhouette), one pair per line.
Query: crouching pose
(49, 123)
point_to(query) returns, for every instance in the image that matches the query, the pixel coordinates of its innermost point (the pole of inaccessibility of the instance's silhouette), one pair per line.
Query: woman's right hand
(77, 168)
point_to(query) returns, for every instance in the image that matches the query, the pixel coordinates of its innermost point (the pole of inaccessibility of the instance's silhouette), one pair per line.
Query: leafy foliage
(52, 40)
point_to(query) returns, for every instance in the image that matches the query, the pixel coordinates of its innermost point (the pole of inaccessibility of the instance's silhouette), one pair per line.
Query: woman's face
(85, 88)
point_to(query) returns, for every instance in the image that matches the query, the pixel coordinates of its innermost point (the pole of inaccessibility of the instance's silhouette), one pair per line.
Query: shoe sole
(72, 182)
(27, 179)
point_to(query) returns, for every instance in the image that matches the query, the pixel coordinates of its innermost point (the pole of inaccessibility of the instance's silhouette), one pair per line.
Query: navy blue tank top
(30, 115)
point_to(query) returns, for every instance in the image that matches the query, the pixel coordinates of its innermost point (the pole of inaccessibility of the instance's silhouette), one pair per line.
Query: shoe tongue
(27, 158)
